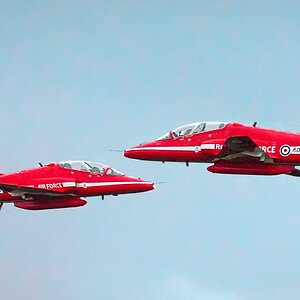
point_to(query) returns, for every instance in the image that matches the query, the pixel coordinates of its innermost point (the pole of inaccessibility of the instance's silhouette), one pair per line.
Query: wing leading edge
(241, 155)
(31, 191)
(242, 148)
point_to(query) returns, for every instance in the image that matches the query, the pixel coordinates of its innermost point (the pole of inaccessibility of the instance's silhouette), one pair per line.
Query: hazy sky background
(78, 78)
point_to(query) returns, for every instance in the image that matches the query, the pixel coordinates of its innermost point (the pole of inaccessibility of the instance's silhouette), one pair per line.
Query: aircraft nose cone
(147, 151)
(135, 153)
(136, 185)
(126, 153)
(148, 186)
(144, 186)
(130, 153)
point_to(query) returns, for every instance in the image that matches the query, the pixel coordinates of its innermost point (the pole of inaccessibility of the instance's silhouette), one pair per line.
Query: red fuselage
(204, 147)
(54, 186)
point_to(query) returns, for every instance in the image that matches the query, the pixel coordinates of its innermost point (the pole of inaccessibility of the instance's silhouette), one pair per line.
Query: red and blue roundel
(285, 150)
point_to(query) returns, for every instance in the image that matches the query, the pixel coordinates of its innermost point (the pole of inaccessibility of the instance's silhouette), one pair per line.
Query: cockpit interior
(91, 167)
(193, 128)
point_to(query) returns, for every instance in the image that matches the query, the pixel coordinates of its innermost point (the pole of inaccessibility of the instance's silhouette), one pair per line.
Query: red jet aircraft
(61, 185)
(232, 148)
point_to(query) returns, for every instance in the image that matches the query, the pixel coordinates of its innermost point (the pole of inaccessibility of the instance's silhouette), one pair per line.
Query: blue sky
(78, 78)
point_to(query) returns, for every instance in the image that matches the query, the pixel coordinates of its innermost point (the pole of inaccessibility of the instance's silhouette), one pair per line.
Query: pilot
(96, 170)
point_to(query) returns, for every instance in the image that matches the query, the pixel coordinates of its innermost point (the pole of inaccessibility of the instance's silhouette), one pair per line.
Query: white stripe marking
(69, 184)
(183, 148)
(94, 184)
(208, 146)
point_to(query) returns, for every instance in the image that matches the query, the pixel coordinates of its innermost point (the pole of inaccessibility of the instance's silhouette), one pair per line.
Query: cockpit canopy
(193, 128)
(91, 167)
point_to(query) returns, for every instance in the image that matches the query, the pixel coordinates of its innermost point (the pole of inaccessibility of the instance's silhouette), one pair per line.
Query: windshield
(91, 167)
(166, 136)
(193, 128)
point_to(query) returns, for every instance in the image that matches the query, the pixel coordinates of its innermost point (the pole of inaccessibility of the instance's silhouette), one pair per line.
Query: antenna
(254, 124)
(41, 165)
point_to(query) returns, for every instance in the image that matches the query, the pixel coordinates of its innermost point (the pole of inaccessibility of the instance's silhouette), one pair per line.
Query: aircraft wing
(30, 191)
(295, 172)
(242, 148)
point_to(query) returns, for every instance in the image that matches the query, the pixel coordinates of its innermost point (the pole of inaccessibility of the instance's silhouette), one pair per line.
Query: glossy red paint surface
(265, 147)
(50, 203)
(249, 168)
(55, 186)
